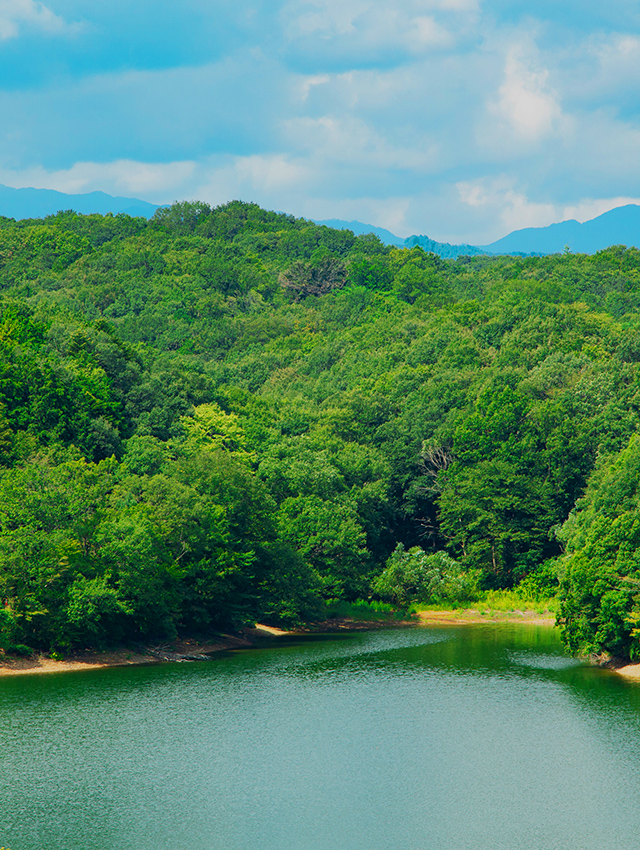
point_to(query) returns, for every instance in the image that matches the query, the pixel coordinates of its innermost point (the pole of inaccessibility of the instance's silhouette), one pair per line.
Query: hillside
(227, 414)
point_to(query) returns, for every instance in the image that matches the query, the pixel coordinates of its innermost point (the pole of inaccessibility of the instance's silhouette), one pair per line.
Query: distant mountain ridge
(38, 203)
(619, 226)
(444, 249)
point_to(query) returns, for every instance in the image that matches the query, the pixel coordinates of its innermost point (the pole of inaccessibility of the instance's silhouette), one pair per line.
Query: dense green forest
(223, 415)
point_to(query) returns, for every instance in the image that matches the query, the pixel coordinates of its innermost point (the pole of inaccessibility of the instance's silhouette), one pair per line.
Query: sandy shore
(629, 671)
(18, 666)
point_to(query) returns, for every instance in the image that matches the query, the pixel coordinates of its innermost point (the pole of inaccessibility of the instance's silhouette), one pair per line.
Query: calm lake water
(483, 737)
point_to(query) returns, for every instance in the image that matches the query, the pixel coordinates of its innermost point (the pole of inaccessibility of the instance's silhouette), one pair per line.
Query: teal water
(483, 737)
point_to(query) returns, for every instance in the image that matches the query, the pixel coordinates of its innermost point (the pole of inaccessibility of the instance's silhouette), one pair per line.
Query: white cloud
(167, 114)
(390, 213)
(276, 181)
(602, 69)
(216, 179)
(307, 84)
(424, 32)
(479, 212)
(15, 13)
(444, 117)
(617, 54)
(349, 140)
(325, 17)
(456, 5)
(121, 177)
(264, 177)
(349, 28)
(526, 101)
(512, 208)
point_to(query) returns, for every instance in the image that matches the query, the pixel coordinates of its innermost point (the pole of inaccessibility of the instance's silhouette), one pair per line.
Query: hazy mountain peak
(38, 203)
(619, 226)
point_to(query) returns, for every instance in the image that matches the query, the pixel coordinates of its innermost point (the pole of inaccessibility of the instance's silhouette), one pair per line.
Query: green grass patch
(363, 609)
(512, 600)
(503, 601)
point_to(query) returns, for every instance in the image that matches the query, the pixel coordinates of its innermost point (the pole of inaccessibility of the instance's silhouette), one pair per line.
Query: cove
(478, 736)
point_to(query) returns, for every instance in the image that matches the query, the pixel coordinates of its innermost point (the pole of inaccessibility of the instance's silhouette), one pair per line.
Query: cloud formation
(525, 100)
(460, 119)
(357, 29)
(16, 14)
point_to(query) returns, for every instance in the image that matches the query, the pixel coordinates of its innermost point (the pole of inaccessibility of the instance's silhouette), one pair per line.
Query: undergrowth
(364, 609)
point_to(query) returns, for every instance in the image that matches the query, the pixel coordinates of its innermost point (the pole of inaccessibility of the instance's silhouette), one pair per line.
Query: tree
(600, 603)
(330, 538)
(181, 217)
(319, 278)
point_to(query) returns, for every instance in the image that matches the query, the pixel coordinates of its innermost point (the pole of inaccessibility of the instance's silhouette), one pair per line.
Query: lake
(478, 736)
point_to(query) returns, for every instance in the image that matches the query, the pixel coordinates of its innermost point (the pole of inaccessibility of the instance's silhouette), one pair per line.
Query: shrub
(414, 576)
(541, 584)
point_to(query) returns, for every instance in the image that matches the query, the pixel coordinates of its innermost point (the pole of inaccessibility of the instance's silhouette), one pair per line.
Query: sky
(458, 119)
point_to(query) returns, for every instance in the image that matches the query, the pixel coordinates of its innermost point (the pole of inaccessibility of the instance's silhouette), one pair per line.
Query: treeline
(228, 414)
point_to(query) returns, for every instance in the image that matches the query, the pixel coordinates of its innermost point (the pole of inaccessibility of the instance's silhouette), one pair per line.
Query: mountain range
(619, 226)
(38, 203)
(444, 249)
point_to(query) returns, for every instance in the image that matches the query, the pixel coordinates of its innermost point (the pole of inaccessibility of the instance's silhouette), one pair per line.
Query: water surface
(485, 737)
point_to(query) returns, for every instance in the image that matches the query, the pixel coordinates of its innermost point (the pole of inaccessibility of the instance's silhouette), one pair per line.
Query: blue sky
(458, 119)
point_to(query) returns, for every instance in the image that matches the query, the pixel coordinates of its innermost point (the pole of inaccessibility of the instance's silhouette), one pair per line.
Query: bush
(414, 576)
(540, 584)
(361, 609)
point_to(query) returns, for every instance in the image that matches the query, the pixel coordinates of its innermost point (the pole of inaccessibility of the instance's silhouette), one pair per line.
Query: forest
(224, 415)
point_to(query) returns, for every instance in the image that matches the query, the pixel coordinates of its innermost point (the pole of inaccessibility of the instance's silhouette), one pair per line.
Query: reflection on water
(543, 661)
(484, 737)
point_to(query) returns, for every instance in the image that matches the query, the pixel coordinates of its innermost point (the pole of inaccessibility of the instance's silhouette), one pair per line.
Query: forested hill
(226, 414)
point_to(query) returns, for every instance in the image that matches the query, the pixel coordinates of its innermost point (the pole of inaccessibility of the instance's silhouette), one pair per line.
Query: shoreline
(627, 671)
(190, 649)
(179, 650)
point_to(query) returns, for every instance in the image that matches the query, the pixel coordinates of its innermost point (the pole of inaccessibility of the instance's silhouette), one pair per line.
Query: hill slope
(226, 414)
